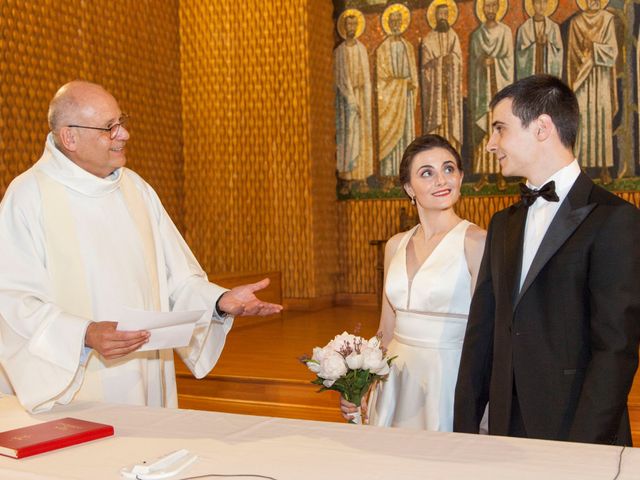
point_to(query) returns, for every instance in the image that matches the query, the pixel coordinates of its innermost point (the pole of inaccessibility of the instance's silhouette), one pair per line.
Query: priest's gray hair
(60, 107)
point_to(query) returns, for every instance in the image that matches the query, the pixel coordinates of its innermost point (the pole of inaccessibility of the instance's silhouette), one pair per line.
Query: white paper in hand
(167, 329)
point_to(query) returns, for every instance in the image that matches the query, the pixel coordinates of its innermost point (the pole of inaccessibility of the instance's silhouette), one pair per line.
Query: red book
(27, 441)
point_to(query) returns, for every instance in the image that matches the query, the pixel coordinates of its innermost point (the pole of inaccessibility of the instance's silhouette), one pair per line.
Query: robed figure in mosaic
(441, 74)
(539, 46)
(353, 100)
(490, 70)
(591, 73)
(397, 85)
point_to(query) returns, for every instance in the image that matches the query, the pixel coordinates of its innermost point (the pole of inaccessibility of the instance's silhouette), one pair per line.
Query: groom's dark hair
(544, 94)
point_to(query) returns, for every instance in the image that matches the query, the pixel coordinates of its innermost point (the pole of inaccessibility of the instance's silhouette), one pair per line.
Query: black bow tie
(548, 192)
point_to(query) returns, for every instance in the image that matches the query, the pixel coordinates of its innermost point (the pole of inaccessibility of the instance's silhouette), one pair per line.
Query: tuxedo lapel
(570, 215)
(514, 237)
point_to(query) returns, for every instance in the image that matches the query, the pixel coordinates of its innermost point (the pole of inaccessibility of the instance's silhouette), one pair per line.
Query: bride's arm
(387, 314)
(473, 250)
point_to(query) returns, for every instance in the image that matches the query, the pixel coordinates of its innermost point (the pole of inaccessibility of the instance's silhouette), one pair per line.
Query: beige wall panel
(251, 198)
(132, 49)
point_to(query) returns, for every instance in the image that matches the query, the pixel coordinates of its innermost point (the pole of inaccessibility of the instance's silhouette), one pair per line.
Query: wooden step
(238, 389)
(258, 372)
(633, 404)
(271, 397)
(634, 416)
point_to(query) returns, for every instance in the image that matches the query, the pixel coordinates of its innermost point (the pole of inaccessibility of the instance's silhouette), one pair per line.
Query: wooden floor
(259, 372)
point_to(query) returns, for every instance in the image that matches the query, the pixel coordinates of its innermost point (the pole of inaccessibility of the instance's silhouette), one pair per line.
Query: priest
(82, 238)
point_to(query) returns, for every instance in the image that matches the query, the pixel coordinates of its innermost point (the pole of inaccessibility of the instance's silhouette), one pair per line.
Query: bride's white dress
(431, 318)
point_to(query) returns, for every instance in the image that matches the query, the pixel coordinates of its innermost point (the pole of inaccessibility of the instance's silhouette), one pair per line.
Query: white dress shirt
(541, 213)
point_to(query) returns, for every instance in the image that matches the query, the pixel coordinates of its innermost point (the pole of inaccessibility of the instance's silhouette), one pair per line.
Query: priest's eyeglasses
(113, 129)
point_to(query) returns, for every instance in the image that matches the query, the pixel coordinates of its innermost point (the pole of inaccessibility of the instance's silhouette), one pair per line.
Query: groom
(553, 332)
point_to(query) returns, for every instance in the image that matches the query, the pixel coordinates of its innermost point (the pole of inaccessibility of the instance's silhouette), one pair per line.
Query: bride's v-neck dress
(431, 317)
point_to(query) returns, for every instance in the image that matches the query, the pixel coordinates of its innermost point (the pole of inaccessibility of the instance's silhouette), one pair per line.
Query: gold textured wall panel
(130, 47)
(258, 126)
(360, 221)
(258, 139)
(322, 152)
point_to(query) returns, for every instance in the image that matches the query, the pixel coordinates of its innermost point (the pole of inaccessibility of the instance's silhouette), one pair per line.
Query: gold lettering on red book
(66, 426)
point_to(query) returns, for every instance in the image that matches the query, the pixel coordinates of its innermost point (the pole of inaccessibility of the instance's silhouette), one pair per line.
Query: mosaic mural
(404, 68)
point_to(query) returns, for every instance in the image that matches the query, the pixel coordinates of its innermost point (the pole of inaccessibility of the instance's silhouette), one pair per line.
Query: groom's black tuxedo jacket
(568, 338)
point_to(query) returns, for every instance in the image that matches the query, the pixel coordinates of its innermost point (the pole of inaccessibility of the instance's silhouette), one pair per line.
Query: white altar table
(298, 449)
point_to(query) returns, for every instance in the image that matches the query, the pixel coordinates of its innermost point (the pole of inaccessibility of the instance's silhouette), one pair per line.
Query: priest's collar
(58, 166)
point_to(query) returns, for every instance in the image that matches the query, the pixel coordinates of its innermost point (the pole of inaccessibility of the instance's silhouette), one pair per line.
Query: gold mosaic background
(45, 43)
(257, 102)
(259, 139)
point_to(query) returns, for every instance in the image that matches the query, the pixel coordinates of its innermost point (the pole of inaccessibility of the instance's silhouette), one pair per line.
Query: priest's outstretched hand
(242, 300)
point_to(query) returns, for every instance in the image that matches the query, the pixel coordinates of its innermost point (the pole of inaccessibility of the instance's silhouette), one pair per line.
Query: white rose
(318, 354)
(355, 361)
(313, 366)
(374, 342)
(373, 360)
(382, 370)
(339, 340)
(317, 358)
(332, 367)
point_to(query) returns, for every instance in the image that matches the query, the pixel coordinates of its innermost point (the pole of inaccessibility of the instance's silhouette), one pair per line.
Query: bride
(430, 274)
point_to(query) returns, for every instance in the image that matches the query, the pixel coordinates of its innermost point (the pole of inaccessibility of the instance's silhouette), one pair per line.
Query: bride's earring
(413, 200)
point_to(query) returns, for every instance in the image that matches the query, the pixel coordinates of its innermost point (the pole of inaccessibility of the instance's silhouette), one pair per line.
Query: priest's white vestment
(76, 248)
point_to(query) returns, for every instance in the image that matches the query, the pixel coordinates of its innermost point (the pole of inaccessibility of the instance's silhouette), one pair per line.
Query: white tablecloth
(297, 449)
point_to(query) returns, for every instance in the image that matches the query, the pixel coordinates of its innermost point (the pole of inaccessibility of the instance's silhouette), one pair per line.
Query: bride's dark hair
(423, 144)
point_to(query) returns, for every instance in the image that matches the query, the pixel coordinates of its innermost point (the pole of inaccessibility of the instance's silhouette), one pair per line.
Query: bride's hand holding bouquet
(350, 365)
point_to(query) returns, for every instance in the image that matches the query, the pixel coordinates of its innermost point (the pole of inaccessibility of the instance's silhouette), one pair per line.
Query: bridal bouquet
(349, 364)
